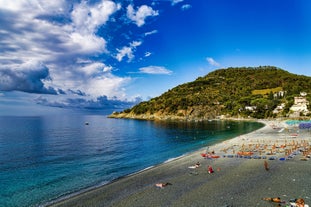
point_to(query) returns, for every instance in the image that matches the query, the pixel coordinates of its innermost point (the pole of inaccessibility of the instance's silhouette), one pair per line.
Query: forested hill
(227, 92)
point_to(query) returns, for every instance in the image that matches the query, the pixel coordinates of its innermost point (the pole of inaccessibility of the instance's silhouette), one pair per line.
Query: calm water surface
(45, 157)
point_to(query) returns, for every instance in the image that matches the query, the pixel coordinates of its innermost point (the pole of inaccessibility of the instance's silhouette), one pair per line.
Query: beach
(239, 176)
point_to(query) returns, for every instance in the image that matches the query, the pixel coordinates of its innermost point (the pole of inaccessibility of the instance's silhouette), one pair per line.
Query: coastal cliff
(232, 92)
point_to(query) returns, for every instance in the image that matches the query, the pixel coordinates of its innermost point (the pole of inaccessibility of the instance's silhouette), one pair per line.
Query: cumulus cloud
(27, 77)
(108, 84)
(127, 51)
(141, 14)
(63, 48)
(86, 19)
(94, 68)
(155, 70)
(85, 43)
(44, 45)
(212, 62)
(46, 7)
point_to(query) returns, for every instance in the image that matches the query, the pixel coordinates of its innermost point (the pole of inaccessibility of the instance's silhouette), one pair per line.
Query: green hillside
(228, 92)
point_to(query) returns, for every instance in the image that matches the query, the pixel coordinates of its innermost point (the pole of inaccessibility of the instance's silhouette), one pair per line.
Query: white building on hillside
(279, 108)
(300, 104)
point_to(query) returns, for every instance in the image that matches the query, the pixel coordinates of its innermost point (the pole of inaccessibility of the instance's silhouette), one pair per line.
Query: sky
(100, 54)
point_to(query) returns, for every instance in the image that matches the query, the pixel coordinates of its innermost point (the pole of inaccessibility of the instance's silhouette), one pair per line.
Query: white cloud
(94, 79)
(45, 55)
(94, 68)
(135, 44)
(185, 7)
(86, 19)
(176, 2)
(107, 68)
(127, 51)
(151, 33)
(86, 44)
(212, 62)
(147, 54)
(34, 7)
(155, 70)
(141, 14)
(110, 85)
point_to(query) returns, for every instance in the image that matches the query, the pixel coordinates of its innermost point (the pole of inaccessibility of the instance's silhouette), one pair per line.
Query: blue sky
(106, 54)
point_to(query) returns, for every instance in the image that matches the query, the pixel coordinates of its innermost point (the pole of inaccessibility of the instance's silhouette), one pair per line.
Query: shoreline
(195, 187)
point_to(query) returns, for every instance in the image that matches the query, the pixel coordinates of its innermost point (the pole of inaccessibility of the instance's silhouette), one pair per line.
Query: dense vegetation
(228, 92)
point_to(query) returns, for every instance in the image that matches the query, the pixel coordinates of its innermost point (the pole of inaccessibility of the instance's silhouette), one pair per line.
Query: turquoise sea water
(43, 158)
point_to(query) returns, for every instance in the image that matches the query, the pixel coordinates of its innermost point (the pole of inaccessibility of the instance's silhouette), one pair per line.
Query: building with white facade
(300, 104)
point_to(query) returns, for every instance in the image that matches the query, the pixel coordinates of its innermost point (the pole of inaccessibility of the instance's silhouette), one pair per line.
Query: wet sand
(236, 181)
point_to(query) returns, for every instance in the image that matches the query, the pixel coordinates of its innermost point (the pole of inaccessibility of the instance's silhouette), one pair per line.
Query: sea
(44, 158)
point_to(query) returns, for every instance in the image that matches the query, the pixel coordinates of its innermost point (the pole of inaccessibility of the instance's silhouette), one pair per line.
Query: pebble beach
(273, 161)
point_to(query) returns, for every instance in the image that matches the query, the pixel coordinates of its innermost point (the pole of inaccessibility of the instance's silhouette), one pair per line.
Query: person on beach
(210, 169)
(274, 199)
(300, 202)
(162, 185)
(266, 165)
(197, 165)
